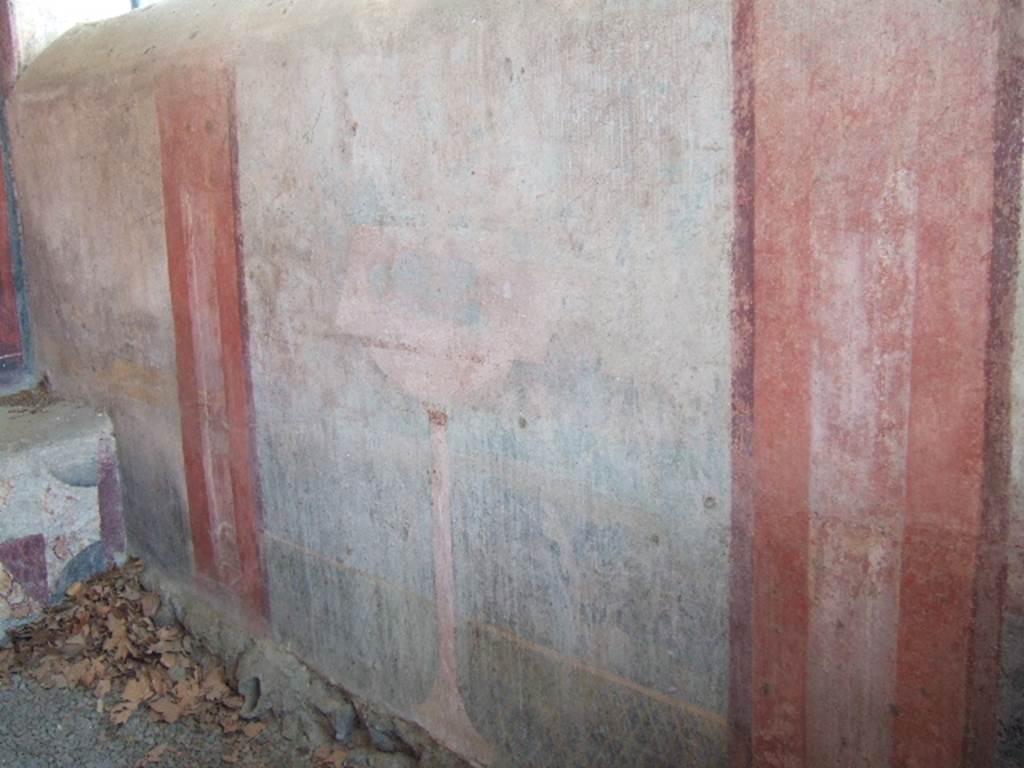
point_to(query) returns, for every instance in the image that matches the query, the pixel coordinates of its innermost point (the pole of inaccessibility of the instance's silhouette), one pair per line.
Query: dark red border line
(11, 347)
(948, 439)
(984, 668)
(238, 386)
(741, 547)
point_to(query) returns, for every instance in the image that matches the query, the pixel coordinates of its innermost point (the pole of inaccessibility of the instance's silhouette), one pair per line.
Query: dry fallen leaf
(103, 638)
(117, 628)
(150, 604)
(168, 710)
(122, 713)
(214, 686)
(230, 723)
(138, 689)
(252, 730)
(172, 660)
(187, 693)
(158, 680)
(329, 757)
(81, 672)
(154, 756)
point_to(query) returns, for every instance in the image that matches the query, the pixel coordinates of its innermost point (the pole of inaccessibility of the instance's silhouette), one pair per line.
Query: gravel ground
(53, 728)
(105, 679)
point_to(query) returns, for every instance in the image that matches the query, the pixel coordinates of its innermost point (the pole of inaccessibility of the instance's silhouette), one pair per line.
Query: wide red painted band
(876, 249)
(199, 159)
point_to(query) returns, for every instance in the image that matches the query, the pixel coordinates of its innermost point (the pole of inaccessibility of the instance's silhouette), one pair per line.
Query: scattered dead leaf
(230, 723)
(214, 686)
(168, 710)
(6, 663)
(172, 660)
(329, 757)
(138, 689)
(150, 604)
(232, 756)
(122, 713)
(187, 693)
(80, 673)
(103, 638)
(252, 730)
(154, 756)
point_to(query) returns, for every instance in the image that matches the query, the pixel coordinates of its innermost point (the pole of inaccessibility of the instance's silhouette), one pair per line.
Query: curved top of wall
(139, 44)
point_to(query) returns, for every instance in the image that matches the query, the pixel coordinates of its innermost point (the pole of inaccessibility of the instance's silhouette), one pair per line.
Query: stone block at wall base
(313, 709)
(60, 502)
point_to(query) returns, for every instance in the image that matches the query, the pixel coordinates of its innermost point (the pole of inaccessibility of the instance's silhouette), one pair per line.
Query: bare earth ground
(106, 680)
(53, 728)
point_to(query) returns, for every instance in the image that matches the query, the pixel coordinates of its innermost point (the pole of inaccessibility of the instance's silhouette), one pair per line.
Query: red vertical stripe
(881, 327)
(946, 439)
(199, 157)
(783, 283)
(781, 440)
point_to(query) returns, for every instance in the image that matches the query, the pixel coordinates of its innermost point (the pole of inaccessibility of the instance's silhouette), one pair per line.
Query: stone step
(60, 501)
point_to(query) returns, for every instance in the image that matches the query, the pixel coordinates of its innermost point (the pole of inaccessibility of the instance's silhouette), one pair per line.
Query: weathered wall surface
(619, 383)
(479, 307)
(488, 288)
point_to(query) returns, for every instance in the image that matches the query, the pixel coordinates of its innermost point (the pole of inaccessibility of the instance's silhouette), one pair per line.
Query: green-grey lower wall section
(471, 259)
(1011, 735)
